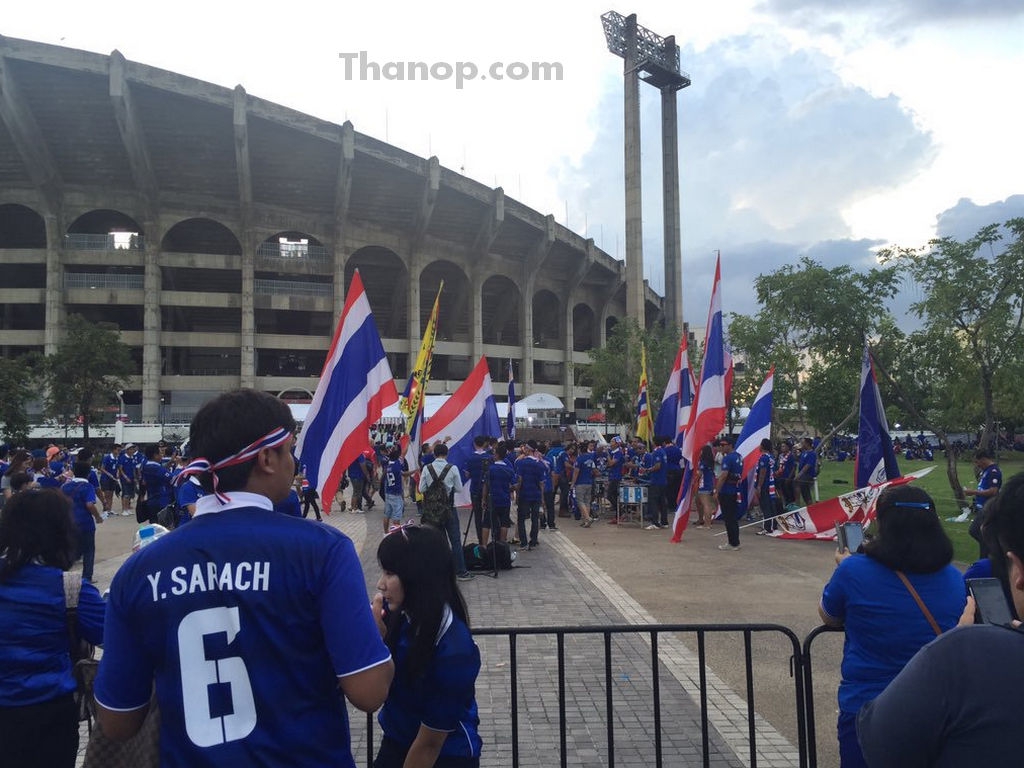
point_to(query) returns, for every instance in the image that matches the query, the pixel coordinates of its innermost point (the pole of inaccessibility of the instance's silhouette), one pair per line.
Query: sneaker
(762, 532)
(652, 527)
(588, 522)
(552, 528)
(728, 547)
(126, 514)
(467, 576)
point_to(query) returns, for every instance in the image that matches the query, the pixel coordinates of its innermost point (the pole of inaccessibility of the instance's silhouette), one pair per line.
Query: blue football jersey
(246, 618)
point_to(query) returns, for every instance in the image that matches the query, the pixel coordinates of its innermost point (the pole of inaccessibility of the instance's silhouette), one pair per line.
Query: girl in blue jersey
(430, 716)
(38, 715)
(872, 595)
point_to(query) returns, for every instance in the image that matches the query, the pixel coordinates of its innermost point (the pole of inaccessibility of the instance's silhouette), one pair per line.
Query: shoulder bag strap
(920, 602)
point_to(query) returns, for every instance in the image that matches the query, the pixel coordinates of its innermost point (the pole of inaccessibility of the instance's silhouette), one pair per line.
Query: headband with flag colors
(355, 386)
(876, 458)
(201, 466)
(707, 414)
(415, 389)
(510, 422)
(644, 426)
(469, 412)
(758, 425)
(674, 414)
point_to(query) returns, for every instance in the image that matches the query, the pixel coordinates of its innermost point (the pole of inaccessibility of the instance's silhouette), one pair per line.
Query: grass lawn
(836, 478)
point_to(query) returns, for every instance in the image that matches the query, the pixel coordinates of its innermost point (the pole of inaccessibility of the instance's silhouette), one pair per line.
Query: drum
(632, 494)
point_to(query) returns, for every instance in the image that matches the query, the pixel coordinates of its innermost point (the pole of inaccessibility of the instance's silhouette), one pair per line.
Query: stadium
(219, 232)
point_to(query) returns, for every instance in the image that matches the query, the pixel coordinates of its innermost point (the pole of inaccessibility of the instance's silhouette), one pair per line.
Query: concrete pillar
(526, 323)
(415, 330)
(247, 371)
(670, 203)
(152, 359)
(476, 286)
(568, 375)
(54, 293)
(634, 211)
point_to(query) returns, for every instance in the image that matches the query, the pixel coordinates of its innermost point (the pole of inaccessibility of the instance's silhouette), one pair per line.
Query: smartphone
(990, 601)
(850, 536)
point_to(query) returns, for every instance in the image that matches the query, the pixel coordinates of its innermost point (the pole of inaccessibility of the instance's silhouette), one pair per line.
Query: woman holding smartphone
(893, 599)
(430, 716)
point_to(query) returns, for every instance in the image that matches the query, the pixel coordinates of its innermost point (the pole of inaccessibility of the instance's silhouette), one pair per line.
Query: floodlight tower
(658, 59)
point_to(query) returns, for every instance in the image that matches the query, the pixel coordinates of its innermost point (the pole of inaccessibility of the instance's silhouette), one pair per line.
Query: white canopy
(540, 401)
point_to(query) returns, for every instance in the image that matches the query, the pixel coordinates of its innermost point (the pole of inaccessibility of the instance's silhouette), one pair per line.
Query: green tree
(614, 371)
(973, 307)
(88, 368)
(812, 324)
(17, 379)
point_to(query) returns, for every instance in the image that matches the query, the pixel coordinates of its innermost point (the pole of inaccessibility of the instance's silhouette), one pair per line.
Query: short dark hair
(440, 449)
(81, 468)
(983, 453)
(19, 480)
(230, 422)
(766, 444)
(1003, 527)
(37, 524)
(910, 537)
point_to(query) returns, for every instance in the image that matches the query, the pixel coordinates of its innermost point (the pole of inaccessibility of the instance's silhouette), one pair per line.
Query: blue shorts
(394, 507)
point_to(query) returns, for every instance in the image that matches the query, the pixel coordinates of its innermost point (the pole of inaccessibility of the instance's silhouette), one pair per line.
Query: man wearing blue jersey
(249, 621)
(727, 490)
(807, 470)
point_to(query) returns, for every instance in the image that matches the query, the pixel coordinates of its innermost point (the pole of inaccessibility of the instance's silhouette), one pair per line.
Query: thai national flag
(355, 386)
(510, 424)
(674, 414)
(707, 414)
(469, 412)
(876, 458)
(758, 425)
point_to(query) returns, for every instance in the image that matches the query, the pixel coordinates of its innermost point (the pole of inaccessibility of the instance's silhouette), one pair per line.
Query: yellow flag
(644, 424)
(416, 387)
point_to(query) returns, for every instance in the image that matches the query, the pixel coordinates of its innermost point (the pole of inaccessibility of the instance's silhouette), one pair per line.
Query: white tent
(539, 401)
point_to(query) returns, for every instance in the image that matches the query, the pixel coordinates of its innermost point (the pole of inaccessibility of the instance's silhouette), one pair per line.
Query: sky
(827, 128)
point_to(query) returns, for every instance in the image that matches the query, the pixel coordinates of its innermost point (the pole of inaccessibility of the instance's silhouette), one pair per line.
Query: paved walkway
(558, 584)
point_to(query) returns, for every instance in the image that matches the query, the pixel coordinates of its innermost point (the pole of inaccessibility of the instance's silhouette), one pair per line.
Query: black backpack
(437, 502)
(482, 558)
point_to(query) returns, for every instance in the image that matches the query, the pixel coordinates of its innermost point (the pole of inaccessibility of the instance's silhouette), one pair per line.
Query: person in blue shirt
(674, 471)
(127, 476)
(707, 504)
(530, 492)
(474, 474)
(108, 478)
(186, 495)
(85, 515)
(764, 488)
(395, 471)
(156, 479)
(654, 468)
(430, 717)
(583, 483)
(727, 490)
(616, 459)
(547, 515)
(786, 472)
(990, 480)
(807, 470)
(38, 714)
(255, 625)
(501, 477)
(872, 596)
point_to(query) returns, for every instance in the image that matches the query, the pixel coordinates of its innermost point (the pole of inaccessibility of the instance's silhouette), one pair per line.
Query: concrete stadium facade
(220, 231)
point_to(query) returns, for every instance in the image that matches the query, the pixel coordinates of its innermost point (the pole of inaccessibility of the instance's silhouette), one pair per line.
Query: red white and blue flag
(510, 422)
(355, 386)
(710, 403)
(876, 457)
(758, 425)
(674, 414)
(469, 412)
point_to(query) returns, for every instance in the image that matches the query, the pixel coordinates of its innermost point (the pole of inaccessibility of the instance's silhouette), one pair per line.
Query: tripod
(486, 508)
